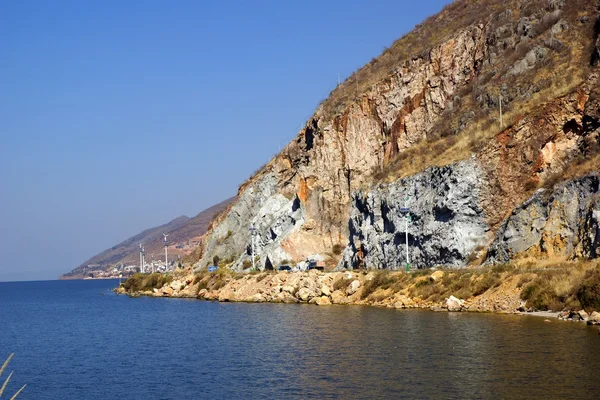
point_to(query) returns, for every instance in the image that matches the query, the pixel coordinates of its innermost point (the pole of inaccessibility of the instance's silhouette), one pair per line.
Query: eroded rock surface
(564, 223)
(447, 224)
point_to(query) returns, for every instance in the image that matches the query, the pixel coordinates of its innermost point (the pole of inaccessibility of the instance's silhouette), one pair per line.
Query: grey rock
(353, 287)
(447, 223)
(272, 215)
(564, 221)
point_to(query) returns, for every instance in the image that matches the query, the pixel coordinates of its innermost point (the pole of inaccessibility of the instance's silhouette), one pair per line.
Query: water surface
(77, 340)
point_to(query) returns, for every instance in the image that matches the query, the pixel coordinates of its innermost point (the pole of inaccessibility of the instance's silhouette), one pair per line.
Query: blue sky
(116, 116)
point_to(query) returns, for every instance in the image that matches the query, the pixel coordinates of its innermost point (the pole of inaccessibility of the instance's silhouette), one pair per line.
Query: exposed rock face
(447, 222)
(271, 214)
(312, 196)
(564, 222)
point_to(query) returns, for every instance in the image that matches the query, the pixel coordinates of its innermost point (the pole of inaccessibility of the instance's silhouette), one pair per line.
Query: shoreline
(398, 290)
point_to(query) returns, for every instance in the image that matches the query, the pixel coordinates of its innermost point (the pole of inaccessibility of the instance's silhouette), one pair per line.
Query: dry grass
(557, 286)
(434, 31)
(473, 139)
(342, 284)
(143, 282)
(214, 280)
(5, 384)
(381, 280)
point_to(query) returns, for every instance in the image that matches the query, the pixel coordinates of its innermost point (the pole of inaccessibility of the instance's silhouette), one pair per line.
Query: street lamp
(406, 211)
(253, 233)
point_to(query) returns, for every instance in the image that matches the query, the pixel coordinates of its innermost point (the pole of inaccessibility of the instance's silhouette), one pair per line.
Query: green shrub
(588, 292)
(337, 249)
(381, 279)
(424, 282)
(528, 292)
(541, 296)
(500, 268)
(489, 281)
(342, 284)
(141, 282)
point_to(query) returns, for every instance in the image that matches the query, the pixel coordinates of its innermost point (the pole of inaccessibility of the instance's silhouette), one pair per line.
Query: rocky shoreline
(396, 290)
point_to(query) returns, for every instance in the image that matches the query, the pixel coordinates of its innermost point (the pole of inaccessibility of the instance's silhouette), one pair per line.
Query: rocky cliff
(563, 223)
(424, 119)
(445, 221)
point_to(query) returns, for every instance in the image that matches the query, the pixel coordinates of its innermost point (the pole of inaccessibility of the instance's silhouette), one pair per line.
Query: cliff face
(563, 223)
(446, 226)
(428, 110)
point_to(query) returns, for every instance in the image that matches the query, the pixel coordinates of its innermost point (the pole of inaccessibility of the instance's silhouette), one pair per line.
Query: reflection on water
(73, 343)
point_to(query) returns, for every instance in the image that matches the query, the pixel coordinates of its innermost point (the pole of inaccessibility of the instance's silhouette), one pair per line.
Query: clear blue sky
(116, 116)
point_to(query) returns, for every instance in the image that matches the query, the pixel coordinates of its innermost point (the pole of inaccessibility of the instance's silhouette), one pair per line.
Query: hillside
(184, 235)
(423, 121)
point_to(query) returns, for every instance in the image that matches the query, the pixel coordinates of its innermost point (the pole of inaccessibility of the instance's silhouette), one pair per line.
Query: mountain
(483, 121)
(184, 236)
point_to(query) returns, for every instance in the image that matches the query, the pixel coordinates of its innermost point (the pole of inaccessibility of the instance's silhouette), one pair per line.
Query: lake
(77, 340)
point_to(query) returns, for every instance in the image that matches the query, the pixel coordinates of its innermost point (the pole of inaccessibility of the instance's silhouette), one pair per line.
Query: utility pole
(406, 211)
(166, 251)
(141, 260)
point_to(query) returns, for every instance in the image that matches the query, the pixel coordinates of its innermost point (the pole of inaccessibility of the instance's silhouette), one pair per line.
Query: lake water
(77, 340)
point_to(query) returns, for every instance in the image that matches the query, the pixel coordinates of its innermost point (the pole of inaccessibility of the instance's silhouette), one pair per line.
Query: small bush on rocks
(381, 279)
(141, 282)
(588, 293)
(487, 282)
(342, 284)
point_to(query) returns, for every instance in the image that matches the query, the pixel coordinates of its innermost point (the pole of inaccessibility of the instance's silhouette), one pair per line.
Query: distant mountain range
(184, 236)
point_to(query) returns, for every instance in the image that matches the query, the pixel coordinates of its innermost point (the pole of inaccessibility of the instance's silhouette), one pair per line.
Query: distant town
(99, 272)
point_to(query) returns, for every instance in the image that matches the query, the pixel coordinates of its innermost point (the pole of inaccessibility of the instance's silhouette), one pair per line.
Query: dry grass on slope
(432, 32)
(440, 151)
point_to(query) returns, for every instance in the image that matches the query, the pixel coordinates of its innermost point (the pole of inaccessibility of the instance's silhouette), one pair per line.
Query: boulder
(323, 301)
(454, 304)
(305, 294)
(287, 298)
(353, 287)
(325, 290)
(177, 285)
(437, 275)
(202, 293)
(594, 318)
(167, 290)
(399, 305)
(258, 298)
(583, 315)
(338, 297)
(288, 289)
